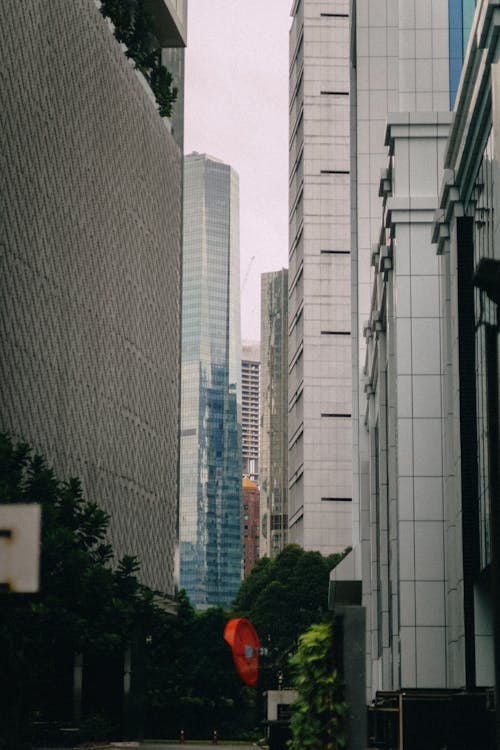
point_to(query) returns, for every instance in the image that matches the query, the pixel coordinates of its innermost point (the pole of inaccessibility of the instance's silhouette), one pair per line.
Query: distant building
(210, 460)
(250, 393)
(319, 278)
(274, 413)
(250, 524)
(91, 185)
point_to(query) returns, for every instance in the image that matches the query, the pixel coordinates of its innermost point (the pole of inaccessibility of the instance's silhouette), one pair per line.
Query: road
(157, 746)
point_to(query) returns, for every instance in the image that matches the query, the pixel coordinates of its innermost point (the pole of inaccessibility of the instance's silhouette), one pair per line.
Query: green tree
(283, 597)
(83, 606)
(134, 27)
(319, 714)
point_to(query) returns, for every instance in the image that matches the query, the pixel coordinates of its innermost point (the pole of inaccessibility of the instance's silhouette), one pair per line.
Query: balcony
(170, 17)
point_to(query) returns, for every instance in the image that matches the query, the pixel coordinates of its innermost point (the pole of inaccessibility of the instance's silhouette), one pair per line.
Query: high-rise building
(91, 186)
(394, 74)
(210, 460)
(250, 524)
(250, 390)
(274, 412)
(319, 347)
(423, 346)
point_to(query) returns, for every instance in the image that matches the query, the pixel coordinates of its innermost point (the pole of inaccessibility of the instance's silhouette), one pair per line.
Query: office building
(250, 524)
(210, 460)
(319, 344)
(250, 394)
(91, 185)
(467, 244)
(274, 412)
(421, 477)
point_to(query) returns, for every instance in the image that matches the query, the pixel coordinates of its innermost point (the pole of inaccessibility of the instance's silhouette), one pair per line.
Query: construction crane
(247, 274)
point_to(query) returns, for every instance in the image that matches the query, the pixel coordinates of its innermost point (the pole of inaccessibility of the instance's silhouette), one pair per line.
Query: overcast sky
(237, 110)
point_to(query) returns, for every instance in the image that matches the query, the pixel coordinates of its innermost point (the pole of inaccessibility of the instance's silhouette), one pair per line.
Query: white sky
(237, 110)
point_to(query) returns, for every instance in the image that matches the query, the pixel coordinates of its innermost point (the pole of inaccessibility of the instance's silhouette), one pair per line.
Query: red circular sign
(244, 641)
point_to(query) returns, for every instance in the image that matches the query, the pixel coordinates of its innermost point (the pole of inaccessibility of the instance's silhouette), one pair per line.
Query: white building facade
(425, 370)
(250, 399)
(319, 345)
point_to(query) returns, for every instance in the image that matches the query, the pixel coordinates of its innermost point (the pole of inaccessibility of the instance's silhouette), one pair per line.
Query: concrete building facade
(210, 459)
(319, 417)
(90, 219)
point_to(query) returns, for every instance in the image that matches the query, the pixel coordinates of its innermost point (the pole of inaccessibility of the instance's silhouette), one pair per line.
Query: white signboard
(19, 547)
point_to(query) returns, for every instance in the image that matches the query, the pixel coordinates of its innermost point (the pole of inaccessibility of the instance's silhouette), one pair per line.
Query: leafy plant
(319, 714)
(83, 607)
(295, 581)
(134, 27)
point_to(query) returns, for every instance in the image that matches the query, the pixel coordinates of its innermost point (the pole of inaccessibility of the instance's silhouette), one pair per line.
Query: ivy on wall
(134, 28)
(319, 716)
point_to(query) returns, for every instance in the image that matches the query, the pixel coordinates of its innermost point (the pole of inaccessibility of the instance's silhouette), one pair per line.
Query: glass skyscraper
(210, 460)
(460, 14)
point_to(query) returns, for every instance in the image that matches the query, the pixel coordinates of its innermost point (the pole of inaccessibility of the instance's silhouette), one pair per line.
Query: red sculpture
(244, 641)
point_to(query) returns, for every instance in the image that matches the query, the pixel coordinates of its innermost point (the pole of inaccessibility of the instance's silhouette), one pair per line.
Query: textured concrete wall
(90, 233)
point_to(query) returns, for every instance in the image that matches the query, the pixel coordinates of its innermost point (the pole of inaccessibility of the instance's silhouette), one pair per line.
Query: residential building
(319, 344)
(250, 524)
(250, 393)
(210, 460)
(91, 185)
(274, 412)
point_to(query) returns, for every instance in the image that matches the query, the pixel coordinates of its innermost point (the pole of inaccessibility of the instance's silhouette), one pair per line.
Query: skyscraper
(250, 390)
(210, 462)
(90, 256)
(274, 412)
(421, 473)
(319, 420)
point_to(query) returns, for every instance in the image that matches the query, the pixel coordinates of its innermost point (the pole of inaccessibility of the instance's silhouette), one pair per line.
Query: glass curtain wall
(210, 462)
(460, 15)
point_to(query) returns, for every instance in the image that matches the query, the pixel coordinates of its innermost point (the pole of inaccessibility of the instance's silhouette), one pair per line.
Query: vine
(134, 28)
(319, 715)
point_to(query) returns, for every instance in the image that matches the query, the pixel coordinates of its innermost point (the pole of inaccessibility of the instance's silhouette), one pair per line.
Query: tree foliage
(133, 25)
(319, 714)
(182, 667)
(283, 597)
(87, 607)
(83, 607)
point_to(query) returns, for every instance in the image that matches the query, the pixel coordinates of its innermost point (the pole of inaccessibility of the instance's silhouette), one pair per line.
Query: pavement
(187, 746)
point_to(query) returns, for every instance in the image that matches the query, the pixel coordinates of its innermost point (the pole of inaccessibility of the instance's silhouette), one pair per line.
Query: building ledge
(345, 581)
